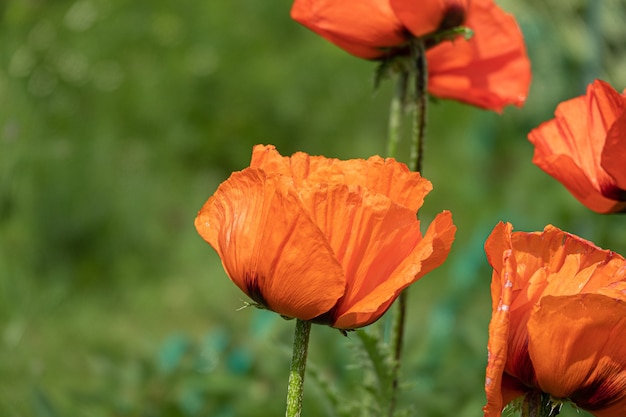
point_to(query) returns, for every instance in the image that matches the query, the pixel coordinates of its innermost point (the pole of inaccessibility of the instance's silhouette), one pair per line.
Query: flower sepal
(247, 304)
(450, 35)
(540, 404)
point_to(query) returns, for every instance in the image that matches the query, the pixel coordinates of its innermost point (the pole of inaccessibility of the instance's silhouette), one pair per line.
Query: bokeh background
(119, 118)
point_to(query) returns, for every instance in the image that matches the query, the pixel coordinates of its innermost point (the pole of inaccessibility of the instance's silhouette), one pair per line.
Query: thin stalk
(295, 386)
(396, 111)
(421, 103)
(397, 342)
(416, 157)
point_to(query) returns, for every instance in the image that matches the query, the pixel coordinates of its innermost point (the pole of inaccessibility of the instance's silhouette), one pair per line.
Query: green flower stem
(416, 157)
(396, 111)
(395, 114)
(418, 53)
(298, 365)
(397, 342)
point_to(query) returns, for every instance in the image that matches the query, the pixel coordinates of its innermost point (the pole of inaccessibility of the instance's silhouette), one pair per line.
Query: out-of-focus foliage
(119, 118)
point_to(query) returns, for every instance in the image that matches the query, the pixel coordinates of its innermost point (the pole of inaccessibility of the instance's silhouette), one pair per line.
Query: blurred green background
(119, 118)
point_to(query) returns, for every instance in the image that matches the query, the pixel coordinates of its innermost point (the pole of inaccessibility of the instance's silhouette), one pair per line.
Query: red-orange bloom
(584, 147)
(491, 70)
(321, 239)
(558, 321)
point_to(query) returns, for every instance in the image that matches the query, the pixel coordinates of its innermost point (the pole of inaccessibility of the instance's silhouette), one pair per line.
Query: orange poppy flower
(490, 70)
(558, 320)
(584, 147)
(319, 239)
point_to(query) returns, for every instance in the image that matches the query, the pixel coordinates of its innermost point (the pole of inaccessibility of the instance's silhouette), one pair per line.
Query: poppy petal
(552, 262)
(568, 264)
(569, 147)
(382, 176)
(426, 18)
(499, 327)
(575, 180)
(528, 267)
(491, 70)
(614, 153)
(360, 27)
(269, 245)
(579, 266)
(498, 241)
(369, 234)
(386, 277)
(587, 366)
(523, 255)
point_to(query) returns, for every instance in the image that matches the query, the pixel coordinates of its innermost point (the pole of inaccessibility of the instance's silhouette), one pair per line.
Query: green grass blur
(119, 118)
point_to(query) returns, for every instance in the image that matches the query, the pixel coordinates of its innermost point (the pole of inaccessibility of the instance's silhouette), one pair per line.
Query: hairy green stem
(397, 342)
(298, 365)
(416, 156)
(395, 117)
(418, 54)
(396, 111)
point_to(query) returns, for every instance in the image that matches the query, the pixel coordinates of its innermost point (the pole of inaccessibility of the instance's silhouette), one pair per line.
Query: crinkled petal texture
(587, 134)
(532, 274)
(588, 365)
(491, 70)
(361, 27)
(322, 239)
(269, 245)
(378, 175)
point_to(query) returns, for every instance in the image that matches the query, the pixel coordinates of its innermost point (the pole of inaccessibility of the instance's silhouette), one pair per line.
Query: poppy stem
(298, 365)
(395, 114)
(397, 342)
(416, 155)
